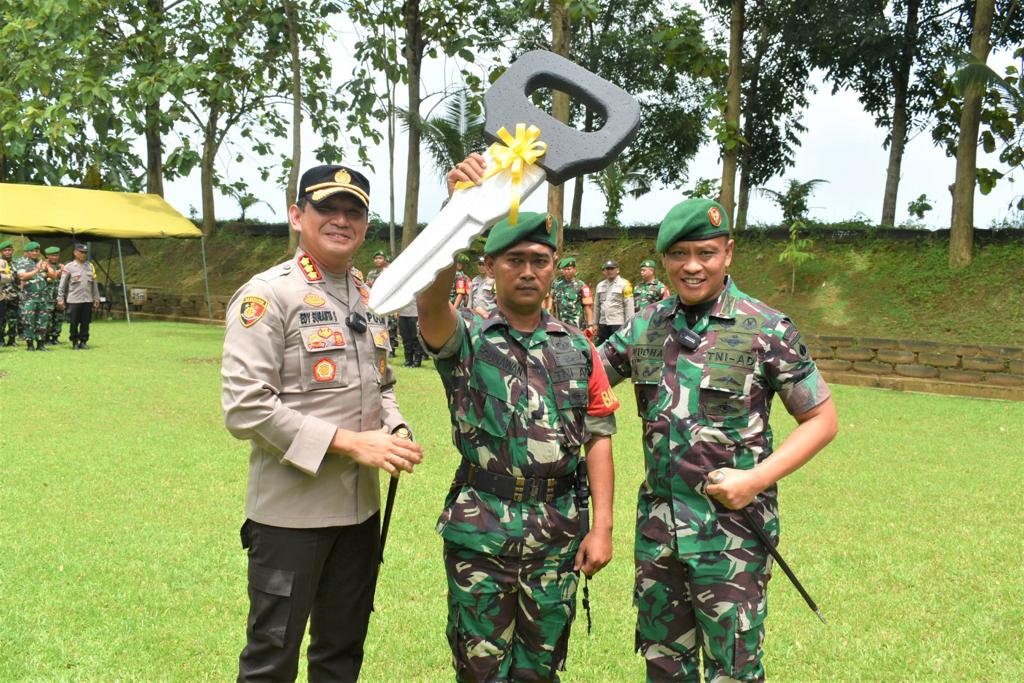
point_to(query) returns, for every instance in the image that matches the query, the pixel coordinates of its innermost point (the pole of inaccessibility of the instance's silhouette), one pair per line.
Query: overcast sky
(841, 145)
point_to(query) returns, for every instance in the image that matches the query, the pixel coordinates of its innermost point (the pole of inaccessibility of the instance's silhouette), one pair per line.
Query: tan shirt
(293, 372)
(78, 284)
(613, 301)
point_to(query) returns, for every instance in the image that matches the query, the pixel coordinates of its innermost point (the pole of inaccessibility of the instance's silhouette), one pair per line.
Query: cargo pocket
(270, 603)
(322, 369)
(571, 400)
(748, 640)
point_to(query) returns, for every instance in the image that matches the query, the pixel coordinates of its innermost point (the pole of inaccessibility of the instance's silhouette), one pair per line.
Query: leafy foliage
(450, 137)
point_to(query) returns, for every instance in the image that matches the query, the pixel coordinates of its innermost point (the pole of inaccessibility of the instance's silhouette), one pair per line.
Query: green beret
(29, 246)
(462, 258)
(567, 261)
(693, 219)
(379, 253)
(52, 250)
(6, 244)
(532, 227)
(647, 264)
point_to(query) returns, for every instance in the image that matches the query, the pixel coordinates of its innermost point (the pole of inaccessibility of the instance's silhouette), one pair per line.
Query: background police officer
(306, 380)
(613, 302)
(79, 293)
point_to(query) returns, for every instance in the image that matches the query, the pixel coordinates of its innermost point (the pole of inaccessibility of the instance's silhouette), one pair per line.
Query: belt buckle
(517, 494)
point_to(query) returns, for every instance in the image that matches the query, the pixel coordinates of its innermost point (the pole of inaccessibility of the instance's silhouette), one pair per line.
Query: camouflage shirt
(35, 287)
(522, 405)
(569, 297)
(647, 293)
(709, 408)
(372, 276)
(460, 285)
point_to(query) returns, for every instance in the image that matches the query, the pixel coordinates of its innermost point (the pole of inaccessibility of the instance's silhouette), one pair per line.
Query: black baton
(392, 490)
(716, 478)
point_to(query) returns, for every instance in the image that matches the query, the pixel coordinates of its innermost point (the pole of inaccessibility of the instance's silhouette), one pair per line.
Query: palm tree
(614, 182)
(451, 136)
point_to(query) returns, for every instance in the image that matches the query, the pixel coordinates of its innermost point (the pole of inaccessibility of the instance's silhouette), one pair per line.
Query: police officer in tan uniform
(306, 380)
(613, 302)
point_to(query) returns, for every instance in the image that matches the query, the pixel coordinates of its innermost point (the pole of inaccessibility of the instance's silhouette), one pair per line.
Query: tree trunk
(898, 135)
(154, 151)
(154, 144)
(744, 201)
(210, 145)
(391, 169)
(559, 106)
(961, 235)
(291, 192)
(577, 193)
(413, 57)
(727, 198)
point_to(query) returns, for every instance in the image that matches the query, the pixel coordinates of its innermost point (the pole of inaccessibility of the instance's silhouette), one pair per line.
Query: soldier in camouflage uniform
(526, 392)
(380, 262)
(10, 295)
(572, 301)
(34, 273)
(459, 294)
(56, 311)
(706, 365)
(650, 290)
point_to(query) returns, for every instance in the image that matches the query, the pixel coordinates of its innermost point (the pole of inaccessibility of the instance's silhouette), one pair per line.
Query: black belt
(518, 489)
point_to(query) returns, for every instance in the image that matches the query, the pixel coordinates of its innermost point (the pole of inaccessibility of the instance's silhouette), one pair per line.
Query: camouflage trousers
(56, 323)
(10, 326)
(35, 319)
(508, 617)
(710, 602)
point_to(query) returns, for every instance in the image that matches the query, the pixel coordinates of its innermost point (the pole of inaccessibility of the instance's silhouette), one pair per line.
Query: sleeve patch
(252, 309)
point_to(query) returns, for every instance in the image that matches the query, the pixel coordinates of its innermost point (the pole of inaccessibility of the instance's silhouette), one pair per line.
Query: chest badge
(324, 370)
(314, 300)
(253, 308)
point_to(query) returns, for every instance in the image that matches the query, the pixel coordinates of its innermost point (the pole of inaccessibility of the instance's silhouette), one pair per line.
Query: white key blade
(467, 214)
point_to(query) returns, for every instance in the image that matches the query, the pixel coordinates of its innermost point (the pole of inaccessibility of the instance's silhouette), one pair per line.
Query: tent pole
(206, 277)
(124, 287)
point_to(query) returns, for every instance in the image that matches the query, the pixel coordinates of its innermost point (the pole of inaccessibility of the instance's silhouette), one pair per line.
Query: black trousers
(80, 316)
(604, 332)
(325, 576)
(410, 342)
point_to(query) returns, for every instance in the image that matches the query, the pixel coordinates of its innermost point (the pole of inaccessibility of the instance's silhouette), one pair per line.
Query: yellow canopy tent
(46, 210)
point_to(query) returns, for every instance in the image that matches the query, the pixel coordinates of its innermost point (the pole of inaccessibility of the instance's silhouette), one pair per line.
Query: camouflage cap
(29, 246)
(7, 244)
(647, 263)
(567, 261)
(692, 219)
(51, 250)
(532, 227)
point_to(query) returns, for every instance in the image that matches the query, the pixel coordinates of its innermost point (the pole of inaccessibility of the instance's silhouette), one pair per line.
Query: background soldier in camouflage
(10, 292)
(56, 311)
(459, 294)
(650, 290)
(380, 262)
(481, 290)
(34, 274)
(526, 392)
(573, 303)
(706, 365)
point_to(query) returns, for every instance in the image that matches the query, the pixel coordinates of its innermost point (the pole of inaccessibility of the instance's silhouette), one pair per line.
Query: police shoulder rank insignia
(309, 269)
(324, 370)
(253, 308)
(314, 300)
(715, 216)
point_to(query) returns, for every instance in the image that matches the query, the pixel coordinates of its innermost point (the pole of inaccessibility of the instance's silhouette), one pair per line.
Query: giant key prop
(539, 148)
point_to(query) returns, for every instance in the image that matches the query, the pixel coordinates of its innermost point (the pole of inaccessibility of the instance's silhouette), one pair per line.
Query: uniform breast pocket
(725, 396)
(491, 400)
(323, 369)
(571, 399)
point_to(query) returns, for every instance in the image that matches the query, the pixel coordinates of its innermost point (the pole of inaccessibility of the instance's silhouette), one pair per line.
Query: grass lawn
(121, 496)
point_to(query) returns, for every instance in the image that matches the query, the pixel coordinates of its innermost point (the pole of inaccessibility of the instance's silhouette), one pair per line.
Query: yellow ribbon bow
(515, 155)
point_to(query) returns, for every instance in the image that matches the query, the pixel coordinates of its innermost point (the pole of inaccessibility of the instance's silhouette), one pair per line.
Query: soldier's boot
(30, 347)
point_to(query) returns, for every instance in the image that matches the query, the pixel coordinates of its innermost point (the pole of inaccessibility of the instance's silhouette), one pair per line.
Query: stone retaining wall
(900, 364)
(911, 365)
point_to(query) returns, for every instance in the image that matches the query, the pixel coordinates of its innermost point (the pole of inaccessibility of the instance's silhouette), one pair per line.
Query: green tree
(796, 253)
(618, 179)
(794, 200)
(450, 136)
